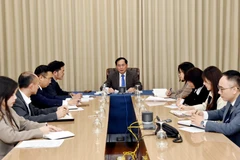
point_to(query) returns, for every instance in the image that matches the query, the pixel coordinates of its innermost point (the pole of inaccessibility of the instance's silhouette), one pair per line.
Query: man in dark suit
(57, 69)
(122, 78)
(229, 89)
(43, 99)
(28, 85)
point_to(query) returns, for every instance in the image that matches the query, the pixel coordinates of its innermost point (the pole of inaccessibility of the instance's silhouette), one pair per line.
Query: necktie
(228, 115)
(123, 81)
(28, 107)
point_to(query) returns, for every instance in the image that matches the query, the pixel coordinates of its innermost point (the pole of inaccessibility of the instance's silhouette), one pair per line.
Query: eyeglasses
(222, 88)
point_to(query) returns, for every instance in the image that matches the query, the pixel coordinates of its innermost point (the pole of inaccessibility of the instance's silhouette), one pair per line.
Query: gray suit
(231, 129)
(37, 115)
(22, 130)
(131, 80)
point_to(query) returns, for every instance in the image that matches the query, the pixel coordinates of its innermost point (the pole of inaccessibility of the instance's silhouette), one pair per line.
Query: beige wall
(88, 35)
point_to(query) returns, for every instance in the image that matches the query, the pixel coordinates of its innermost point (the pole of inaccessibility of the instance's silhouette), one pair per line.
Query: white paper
(160, 92)
(68, 116)
(185, 122)
(192, 129)
(151, 104)
(173, 106)
(40, 144)
(86, 99)
(160, 99)
(78, 109)
(180, 113)
(72, 107)
(58, 135)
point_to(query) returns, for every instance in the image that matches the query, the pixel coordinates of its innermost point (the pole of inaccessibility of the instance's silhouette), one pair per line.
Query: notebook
(68, 117)
(180, 113)
(188, 123)
(58, 135)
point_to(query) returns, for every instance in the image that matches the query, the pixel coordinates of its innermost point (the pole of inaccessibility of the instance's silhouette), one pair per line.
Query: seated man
(229, 115)
(57, 69)
(28, 85)
(44, 100)
(122, 78)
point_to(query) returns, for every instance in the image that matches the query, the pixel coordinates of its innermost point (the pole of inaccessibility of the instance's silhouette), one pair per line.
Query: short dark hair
(42, 70)
(55, 65)
(213, 74)
(233, 75)
(121, 58)
(194, 75)
(25, 79)
(185, 66)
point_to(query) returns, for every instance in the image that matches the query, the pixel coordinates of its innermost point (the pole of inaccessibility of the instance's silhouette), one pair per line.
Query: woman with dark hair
(186, 90)
(199, 91)
(14, 128)
(211, 76)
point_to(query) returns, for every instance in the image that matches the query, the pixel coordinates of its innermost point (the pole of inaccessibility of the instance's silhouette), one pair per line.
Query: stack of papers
(160, 92)
(180, 113)
(188, 123)
(72, 107)
(68, 117)
(192, 129)
(58, 135)
(40, 144)
(159, 99)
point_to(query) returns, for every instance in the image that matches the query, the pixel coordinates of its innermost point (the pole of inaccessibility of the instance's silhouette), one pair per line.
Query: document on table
(40, 144)
(72, 107)
(160, 92)
(68, 117)
(58, 135)
(188, 123)
(180, 113)
(192, 129)
(78, 109)
(172, 106)
(159, 99)
(151, 104)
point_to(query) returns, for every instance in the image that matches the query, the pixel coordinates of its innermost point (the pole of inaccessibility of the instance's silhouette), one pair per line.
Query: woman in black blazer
(199, 92)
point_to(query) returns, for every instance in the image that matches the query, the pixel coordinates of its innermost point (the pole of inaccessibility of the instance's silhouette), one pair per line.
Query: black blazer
(43, 100)
(194, 99)
(131, 80)
(37, 115)
(54, 89)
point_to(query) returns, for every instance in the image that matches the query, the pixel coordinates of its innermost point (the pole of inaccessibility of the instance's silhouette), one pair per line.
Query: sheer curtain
(88, 35)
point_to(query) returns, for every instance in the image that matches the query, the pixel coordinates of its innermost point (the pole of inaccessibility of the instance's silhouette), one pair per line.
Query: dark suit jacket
(231, 129)
(37, 115)
(54, 89)
(194, 99)
(43, 100)
(131, 80)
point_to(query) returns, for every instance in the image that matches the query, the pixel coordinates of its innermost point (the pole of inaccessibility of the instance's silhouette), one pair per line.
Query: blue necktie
(123, 81)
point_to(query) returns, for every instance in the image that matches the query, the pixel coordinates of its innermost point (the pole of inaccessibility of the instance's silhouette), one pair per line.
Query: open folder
(68, 117)
(58, 135)
(188, 123)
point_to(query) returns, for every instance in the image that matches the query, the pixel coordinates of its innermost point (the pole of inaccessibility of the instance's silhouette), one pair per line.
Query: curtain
(88, 35)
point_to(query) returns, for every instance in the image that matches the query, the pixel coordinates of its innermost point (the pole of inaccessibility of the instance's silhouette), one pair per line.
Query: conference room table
(85, 145)
(195, 146)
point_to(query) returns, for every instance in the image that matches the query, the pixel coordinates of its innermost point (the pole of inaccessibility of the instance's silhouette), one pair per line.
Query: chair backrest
(111, 70)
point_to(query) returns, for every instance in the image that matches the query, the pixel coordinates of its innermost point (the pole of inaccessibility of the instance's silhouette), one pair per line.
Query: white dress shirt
(27, 101)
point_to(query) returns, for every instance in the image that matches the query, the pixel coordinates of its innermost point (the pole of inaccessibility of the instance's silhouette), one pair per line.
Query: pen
(196, 111)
